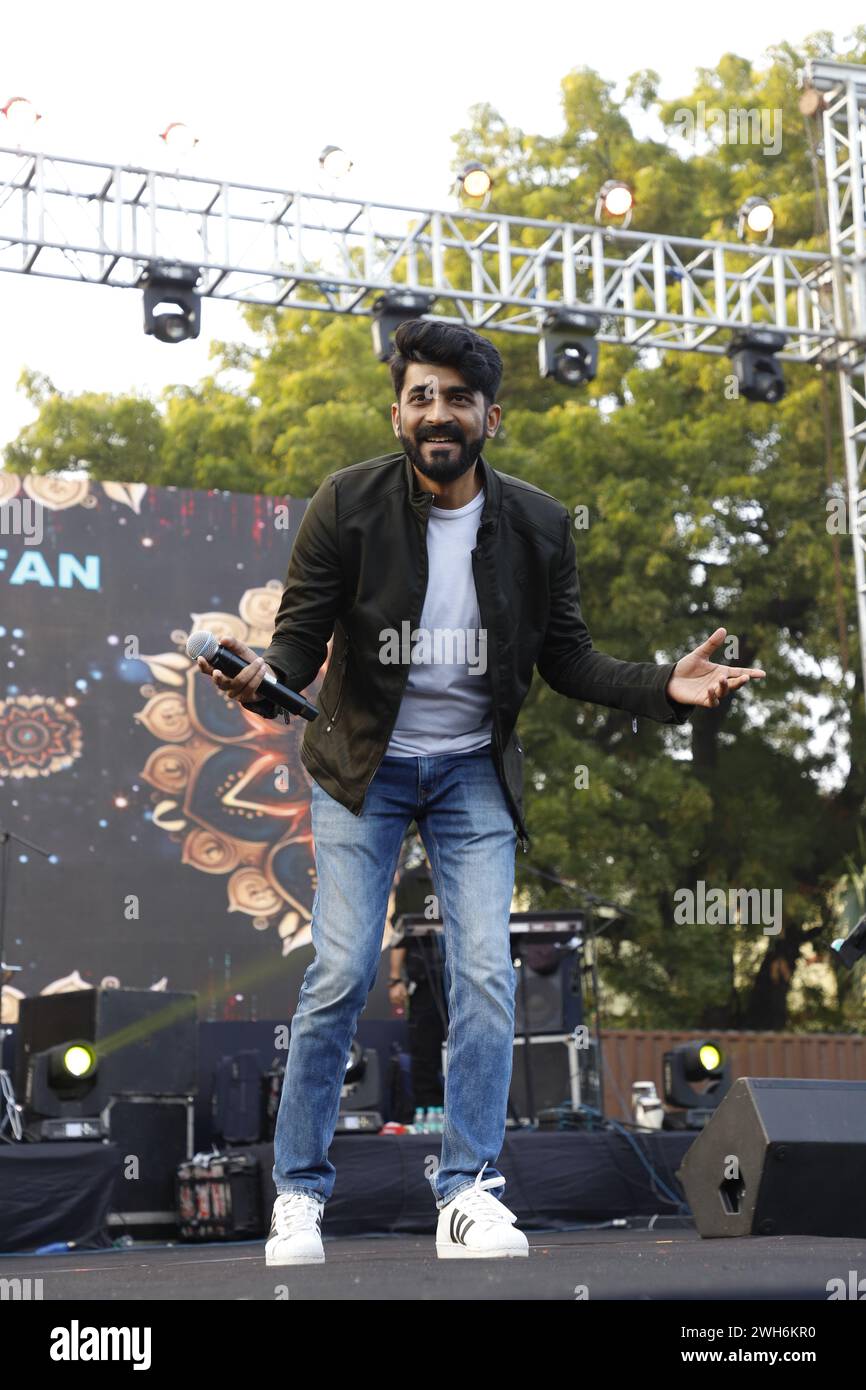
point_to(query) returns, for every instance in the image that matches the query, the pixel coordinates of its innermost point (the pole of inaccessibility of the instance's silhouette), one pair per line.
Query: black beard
(444, 470)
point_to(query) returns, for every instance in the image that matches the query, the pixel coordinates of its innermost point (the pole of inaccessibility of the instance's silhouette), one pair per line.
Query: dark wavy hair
(447, 345)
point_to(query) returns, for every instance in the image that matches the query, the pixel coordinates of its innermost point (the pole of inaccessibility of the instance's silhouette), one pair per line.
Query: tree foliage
(704, 511)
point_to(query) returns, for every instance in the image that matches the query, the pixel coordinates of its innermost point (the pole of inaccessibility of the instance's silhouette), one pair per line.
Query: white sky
(265, 86)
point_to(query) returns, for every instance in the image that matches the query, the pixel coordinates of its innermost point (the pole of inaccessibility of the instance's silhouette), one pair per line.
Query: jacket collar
(490, 481)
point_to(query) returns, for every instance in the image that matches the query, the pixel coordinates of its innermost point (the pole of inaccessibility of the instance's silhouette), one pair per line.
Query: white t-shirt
(447, 705)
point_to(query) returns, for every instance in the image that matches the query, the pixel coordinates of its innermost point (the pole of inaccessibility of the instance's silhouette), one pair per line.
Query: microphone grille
(201, 644)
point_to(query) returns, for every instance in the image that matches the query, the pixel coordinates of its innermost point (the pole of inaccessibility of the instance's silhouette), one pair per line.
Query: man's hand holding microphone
(239, 673)
(245, 685)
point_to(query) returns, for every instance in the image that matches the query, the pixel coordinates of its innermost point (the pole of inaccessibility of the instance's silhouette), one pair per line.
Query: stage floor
(659, 1264)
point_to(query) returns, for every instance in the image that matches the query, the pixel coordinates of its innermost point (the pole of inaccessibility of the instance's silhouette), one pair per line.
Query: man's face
(441, 422)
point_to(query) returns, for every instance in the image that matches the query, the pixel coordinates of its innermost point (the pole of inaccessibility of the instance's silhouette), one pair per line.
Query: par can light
(475, 180)
(615, 199)
(756, 219)
(335, 162)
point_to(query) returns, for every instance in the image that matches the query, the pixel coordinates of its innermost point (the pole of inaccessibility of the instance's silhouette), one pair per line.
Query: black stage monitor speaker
(781, 1157)
(560, 1074)
(153, 1137)
(551, 1004)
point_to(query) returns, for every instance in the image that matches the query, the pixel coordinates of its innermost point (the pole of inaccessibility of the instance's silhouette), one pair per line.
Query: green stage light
(70, 1064)
(78, 1060)
(710, 1056)
(685, 1068)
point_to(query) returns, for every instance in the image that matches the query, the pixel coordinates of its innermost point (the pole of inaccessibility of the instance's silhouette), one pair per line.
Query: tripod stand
(9, 1114)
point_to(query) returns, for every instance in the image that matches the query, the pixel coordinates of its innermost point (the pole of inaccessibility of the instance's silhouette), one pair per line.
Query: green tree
(703, 511)
(91, 431)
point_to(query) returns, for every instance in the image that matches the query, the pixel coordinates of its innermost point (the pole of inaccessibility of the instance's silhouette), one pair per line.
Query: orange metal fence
(631, 1054)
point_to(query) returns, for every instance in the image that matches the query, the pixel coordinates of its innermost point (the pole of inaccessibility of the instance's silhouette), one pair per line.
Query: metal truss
(106, 224)
(843, 86)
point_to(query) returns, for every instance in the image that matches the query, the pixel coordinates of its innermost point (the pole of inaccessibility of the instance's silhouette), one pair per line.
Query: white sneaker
(296, 1231)
(477, 1225)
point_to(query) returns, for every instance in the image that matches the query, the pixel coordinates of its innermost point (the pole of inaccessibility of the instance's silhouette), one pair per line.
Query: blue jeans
(460, 809)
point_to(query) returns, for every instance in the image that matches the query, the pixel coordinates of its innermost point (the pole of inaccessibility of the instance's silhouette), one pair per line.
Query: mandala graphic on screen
(38, 736)
(228, 786)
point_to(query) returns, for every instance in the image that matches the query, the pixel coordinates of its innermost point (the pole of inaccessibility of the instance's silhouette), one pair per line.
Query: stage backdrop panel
(178, 825)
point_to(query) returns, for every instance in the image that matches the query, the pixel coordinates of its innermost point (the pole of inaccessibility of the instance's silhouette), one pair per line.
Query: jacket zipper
(523, 838)
(333, 717)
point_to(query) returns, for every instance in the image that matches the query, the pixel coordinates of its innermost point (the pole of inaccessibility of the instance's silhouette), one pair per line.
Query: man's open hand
(245, 684)
(698, 681)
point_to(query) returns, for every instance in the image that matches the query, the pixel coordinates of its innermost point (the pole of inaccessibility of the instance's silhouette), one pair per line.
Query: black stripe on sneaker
(464, 1226)
(454, 1216)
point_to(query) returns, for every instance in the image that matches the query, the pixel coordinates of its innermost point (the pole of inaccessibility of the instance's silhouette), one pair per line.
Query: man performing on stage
(444, 583)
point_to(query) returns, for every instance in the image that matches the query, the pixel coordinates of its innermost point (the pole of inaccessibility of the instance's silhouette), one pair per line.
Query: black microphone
(206, 645)
(852, 948)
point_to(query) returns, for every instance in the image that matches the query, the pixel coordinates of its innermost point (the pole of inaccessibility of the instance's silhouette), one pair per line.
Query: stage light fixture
(567, 349)
(355, 1064)
(475, 181)
(758, 374)
(64, 1092)
(179, 137)
(756, 219)
(811, 101)
(682, 1068)
(334, 162)
(615, 199)
(710, 1056)
(21, 115)
(70, 1064)
(390, 310)
(172, 285)
(361, 1092)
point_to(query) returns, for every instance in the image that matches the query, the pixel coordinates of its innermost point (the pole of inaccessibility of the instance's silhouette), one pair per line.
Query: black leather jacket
(359, 564)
